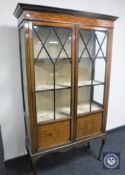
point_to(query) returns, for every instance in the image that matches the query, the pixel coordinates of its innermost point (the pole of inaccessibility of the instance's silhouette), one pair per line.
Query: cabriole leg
(32, 162)
(88, 145)
(102, 146)
(34, 167)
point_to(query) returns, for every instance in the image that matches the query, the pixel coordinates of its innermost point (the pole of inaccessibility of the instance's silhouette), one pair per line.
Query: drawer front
(88, 125)
(53, 134)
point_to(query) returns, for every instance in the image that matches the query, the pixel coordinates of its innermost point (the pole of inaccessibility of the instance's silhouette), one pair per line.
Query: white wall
(11, 111)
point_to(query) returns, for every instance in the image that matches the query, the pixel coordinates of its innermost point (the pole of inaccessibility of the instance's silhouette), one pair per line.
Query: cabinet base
(33, 158)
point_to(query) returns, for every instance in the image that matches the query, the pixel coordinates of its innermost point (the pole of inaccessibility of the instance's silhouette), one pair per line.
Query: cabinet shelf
(43, 59)
(43, 116)
(97, 57)
(51, 88)
(85, 108)
(89, 83)
(42, 88)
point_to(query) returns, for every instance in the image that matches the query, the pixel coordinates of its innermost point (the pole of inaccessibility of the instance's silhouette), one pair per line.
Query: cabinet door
(52, 57)
(91, 64)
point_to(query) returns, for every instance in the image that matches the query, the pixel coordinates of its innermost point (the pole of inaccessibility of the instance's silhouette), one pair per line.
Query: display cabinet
(65, 69)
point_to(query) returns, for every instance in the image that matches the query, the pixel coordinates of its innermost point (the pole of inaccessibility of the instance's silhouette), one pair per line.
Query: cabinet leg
(34, 167)
(101, 148)
(88, 145)
(32, 162)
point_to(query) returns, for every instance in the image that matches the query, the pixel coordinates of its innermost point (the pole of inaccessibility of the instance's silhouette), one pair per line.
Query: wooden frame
(29, 15)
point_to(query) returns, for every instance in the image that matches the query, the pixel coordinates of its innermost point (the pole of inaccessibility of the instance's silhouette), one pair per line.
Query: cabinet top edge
(23, 7)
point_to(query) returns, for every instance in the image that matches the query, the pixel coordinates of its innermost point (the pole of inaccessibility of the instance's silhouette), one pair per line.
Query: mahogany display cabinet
(65, 69)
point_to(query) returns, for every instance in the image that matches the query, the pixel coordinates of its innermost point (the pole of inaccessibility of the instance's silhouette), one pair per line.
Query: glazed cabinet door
(53, 82)
(90, 80)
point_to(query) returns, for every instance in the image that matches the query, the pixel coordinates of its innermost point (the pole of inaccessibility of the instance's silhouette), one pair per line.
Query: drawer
(88, 125)
(53, 134)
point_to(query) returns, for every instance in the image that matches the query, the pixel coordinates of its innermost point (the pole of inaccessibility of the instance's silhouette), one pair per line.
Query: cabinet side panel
(107, 80)
(24, 80)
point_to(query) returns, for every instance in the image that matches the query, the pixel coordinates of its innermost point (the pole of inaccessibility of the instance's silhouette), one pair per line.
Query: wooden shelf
(51, 88)
(43, 116)
(64, 112)
(89, 83)
(85, 108)
(42, 88)
(43, 59)
(94, 56)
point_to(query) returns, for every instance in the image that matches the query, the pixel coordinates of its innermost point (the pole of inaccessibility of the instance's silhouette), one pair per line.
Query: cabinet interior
(53, 67)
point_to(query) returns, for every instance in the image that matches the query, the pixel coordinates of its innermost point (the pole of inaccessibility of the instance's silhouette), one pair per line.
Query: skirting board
(119, 128)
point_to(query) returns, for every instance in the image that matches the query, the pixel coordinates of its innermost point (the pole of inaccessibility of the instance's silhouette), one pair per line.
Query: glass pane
(94, 43)
(63, 75)
(83, 100)
(84, 59)
(91, 70)
(100, 66)
(98, 93)
(62, 103)
(104, 46)
(67, 45)
(44, 75)
(87, 38)
(25, 95)
(99, 53)
(101, 43)
(42, 32)
(53, 45)
(45, 106)
(84, 71)
(52, 61)
(37, 45)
